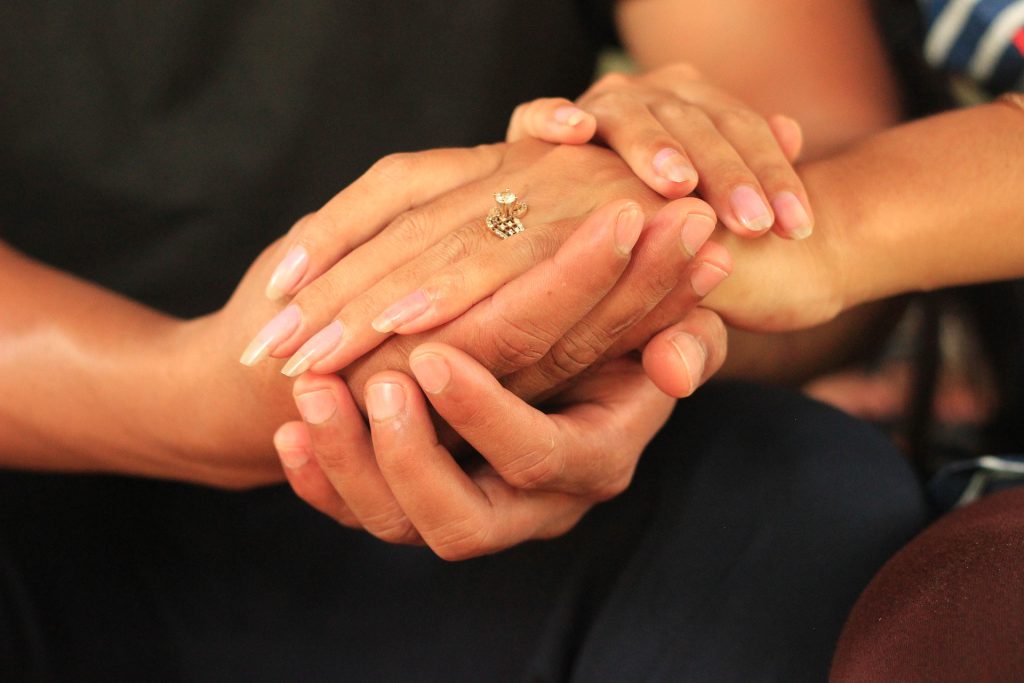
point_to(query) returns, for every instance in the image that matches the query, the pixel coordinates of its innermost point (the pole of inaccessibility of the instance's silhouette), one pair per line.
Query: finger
(457, 516)
(416, 234)
(340, 443)
(708, 269)
(789, 135)
(393, 185)
(370, 318)
(553, 119)
(305, 477)
(582, 452)
(656, 156)
(682, 357)
(753, 139)
(518, 324)
(726, 182)
(676, 233)
(449, 293)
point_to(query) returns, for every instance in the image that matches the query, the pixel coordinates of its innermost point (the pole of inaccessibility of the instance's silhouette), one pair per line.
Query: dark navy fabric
(755, 520)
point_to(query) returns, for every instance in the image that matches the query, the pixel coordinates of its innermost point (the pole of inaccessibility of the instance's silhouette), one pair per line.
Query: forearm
(796, 357)
(930, 204)
(91, 381)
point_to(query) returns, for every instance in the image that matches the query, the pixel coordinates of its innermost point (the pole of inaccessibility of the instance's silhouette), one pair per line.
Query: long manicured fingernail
(693, 355)
(315, 348)
(569, 116)
(697, 228)
(671, 165)
(628, 227)
(750, 209)
(316, 407)
(431, 371)
(404, 310)
(280, 327)
(288, 272)
(791, 215)
(706, 277)
(384, 400)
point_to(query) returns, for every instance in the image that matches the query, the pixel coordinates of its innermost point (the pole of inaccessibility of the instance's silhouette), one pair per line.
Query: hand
(540, 473)
(465, 265)
(678, 133)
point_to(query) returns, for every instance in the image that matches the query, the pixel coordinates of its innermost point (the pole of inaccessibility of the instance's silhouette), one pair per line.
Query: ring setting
(503, 219)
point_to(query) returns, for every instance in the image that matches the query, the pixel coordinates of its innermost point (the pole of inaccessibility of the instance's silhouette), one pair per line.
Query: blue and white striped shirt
(982, 40)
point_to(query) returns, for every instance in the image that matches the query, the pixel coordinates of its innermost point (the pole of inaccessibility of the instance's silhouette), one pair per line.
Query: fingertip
(670, 164)
(291, 441)
(667, 369)
(791, 217)
(750, 211)
(788, 134)
(431, 370)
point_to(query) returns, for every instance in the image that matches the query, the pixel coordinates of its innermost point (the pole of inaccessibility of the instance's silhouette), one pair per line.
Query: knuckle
(460, 540)
(412, 228)
(613, 486)
(612, 80)
(739, 120)
(577, 351)
(459, 244)
(519, 343)
(605, 102)
(391, 527)
(533, 468)
(301, 226)
(325, 290)
(447, 285)
(394, 167)
(675, 109)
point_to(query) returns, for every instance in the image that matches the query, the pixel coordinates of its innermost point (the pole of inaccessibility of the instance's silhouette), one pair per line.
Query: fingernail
(750, 209)
(384, 400)
(791, 215)
(293, 458)
(671, 165)
(569, 116)
(628, 226)
(697, 228)
(315, 348)
(402, 311)
(288, 272)
(693, 355)
(316, 407)
(706, 277)
(431, 371)
(280, 327)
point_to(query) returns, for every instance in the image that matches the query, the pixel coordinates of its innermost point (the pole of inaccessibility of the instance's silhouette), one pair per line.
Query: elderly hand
(538, 475)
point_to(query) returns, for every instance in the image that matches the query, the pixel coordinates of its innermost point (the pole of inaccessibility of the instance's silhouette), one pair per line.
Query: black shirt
(156, 147)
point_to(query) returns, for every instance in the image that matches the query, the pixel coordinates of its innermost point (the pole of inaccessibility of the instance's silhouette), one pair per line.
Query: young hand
(679, 133)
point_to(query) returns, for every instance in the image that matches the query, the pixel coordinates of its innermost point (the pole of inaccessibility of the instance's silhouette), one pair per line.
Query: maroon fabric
(948, 607)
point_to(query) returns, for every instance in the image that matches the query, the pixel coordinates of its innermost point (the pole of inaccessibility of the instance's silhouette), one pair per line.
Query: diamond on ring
(503, 219)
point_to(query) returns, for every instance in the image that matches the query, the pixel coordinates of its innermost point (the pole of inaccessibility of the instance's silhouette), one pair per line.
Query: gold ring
(503, 219)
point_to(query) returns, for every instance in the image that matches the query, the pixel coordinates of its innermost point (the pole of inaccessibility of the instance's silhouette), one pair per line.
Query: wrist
(856, 271)
(227, 412)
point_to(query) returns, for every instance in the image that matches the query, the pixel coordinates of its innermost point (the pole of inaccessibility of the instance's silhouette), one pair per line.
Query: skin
(862, 101)
(81, 405)
(886, 227)
(157, 429)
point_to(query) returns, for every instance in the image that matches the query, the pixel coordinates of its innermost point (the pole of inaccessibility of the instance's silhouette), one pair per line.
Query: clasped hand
(397, 275)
